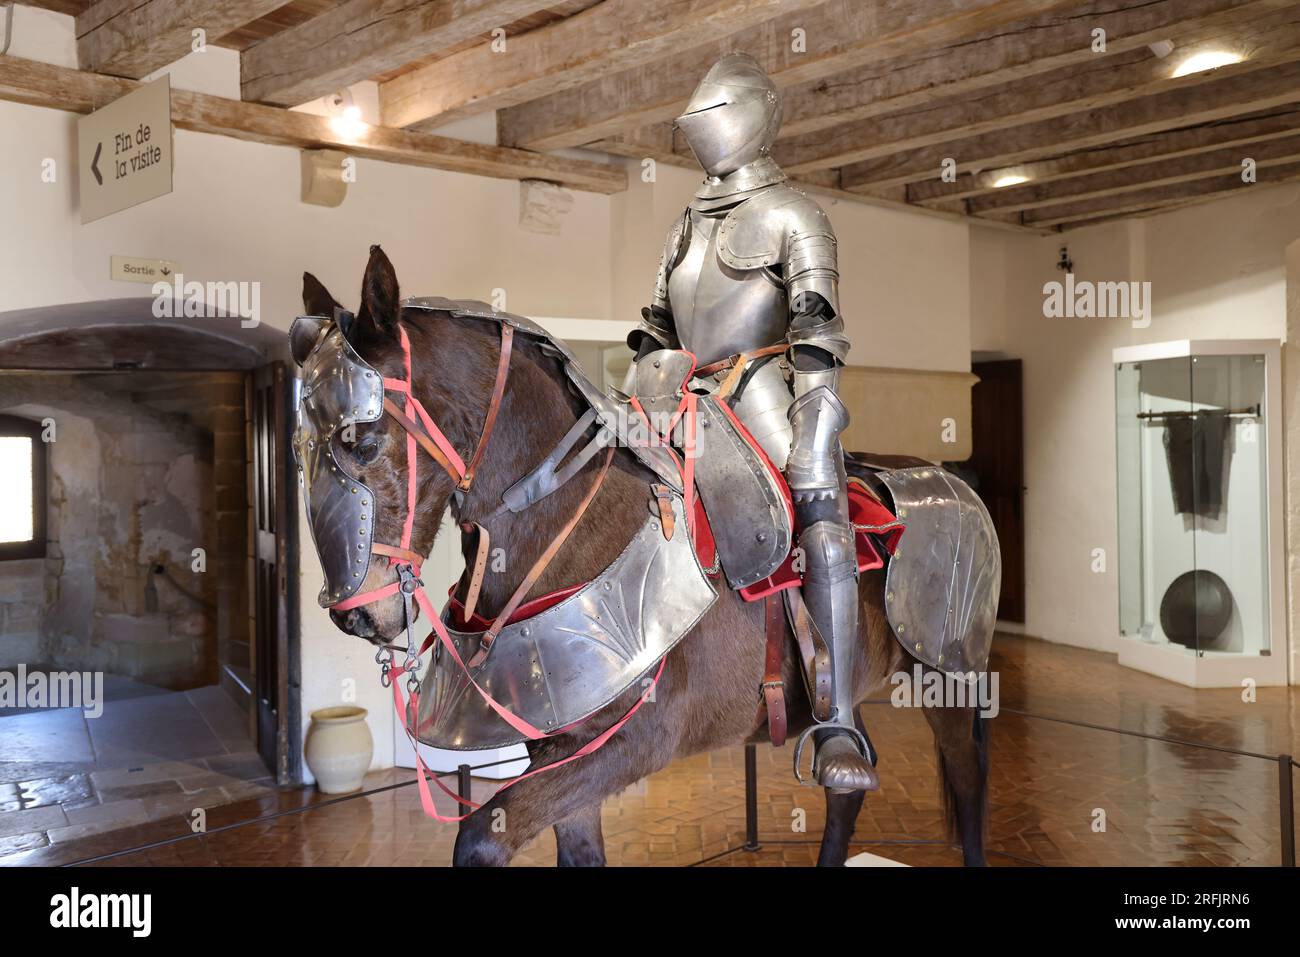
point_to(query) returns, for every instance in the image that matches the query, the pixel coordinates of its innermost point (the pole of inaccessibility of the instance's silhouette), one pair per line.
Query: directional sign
(136, 269)
(125, 151)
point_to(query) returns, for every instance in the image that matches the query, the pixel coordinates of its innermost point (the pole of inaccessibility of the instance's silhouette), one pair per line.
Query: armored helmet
(733, 116)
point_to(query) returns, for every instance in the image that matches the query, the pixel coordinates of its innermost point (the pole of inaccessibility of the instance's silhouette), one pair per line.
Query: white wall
(1217, 271)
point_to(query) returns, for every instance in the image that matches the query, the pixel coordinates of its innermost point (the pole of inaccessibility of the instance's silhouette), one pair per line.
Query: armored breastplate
(720, 311)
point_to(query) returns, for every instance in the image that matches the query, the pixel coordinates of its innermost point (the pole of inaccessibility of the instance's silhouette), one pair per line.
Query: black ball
(1196, 609)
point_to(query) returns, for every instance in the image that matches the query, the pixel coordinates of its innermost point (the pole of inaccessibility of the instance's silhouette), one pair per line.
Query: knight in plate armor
(749, 273)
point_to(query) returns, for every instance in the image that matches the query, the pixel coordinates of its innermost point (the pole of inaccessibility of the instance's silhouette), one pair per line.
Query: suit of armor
(749, 265)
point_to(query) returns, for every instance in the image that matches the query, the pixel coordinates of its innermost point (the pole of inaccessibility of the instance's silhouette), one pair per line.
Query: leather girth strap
(773, 699)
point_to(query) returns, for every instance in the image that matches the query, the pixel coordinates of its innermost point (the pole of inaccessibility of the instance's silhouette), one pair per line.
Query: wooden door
(275, 571)
(997, 459)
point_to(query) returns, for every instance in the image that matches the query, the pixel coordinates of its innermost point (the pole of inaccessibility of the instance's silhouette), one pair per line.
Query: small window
(22, 488)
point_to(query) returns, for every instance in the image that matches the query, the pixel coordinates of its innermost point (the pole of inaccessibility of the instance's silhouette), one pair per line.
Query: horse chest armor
(719, 310)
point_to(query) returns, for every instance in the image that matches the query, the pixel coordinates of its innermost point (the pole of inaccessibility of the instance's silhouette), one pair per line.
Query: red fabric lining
(534, 606)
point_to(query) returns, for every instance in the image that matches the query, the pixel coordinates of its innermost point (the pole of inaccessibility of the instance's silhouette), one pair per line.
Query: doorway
(163, 452)
(997, 469)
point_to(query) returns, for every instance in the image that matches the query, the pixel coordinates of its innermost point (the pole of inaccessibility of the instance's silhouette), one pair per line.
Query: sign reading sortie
(124, 151)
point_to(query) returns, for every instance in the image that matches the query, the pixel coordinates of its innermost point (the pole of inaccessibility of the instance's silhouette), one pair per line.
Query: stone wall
(131, 490)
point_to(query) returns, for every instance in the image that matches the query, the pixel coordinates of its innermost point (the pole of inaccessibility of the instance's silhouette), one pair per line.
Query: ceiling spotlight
(1009, 179)
(344, 114)
(1208, 60)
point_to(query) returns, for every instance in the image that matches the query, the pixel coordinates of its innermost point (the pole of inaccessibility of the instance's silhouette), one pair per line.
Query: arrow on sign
(94, 164)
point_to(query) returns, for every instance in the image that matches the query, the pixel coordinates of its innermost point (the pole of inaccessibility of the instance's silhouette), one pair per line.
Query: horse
(707, 693)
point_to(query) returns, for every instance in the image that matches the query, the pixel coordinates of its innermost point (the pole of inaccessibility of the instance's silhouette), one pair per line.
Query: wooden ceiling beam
(1010, 54)
(1210, 187)
(1234, 131)
(363, 38)
(1166, 172)
(839, 35)
(133, 38)
(1102, 81)
(70, 7)
(611, 36)
(79, 91)
(1255, 91)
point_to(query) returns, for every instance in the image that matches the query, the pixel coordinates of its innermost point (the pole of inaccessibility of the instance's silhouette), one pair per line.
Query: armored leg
(830, 585)
(830, 590)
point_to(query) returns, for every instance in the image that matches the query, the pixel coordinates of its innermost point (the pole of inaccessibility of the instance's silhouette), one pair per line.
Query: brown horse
(708, 693)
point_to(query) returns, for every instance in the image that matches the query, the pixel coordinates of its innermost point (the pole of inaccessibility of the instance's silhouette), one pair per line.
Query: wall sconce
(322, 177)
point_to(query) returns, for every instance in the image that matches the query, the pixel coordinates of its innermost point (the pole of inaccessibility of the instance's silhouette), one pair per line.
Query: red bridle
(423, 432)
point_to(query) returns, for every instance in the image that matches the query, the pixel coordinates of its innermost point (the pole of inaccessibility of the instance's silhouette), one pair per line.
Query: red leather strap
(773, 682)
(420, 436)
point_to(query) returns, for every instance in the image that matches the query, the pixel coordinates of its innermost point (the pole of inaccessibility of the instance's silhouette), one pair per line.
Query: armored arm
(656, 329)
(818, 347)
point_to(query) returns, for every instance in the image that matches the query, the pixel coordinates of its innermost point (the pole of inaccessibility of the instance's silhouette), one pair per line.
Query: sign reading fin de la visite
(124, 151)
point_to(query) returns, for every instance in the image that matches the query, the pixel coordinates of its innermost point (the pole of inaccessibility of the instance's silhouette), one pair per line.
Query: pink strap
(688, 454)
(423, 775)
(366, 597)
(435, 433)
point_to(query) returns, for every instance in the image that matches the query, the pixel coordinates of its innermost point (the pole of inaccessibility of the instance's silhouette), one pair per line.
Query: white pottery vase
(338, 748)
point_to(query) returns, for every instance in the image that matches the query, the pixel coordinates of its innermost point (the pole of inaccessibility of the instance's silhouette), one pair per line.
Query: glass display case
(1198, 457)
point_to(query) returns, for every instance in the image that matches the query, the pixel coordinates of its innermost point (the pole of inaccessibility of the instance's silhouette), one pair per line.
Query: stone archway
(118, 374)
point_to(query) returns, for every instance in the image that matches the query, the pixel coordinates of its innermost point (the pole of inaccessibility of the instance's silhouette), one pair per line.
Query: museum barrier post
(1286, 807)
(751, 797)
(463, 783)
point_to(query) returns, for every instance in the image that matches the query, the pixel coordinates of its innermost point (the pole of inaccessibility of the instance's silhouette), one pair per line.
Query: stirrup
(839, 729)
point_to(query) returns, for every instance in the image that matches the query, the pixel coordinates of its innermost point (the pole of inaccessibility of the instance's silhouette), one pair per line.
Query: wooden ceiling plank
(1256, 91)
(612, 36)
(1065, 213)
(1234, 131)
(363, 38)
(1144, 213)
(133, 38)
(43, 84)
(1102, 81)
(70, 7)
(1130, 178)
(1041, 45)
(1012, 54)
(840, 35)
